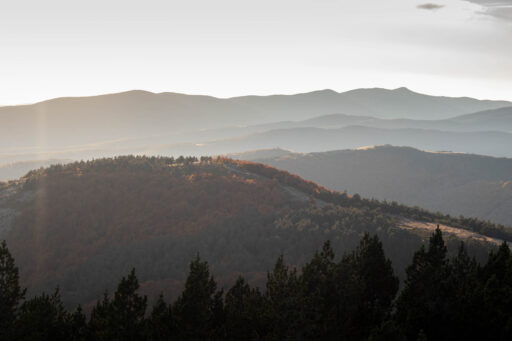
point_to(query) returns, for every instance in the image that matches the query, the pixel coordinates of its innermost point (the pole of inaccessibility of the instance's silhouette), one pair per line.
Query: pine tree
(129, 308)
(465, 301)
(244, 308)
(319, 296)
(283, 301)
(78, 324)
(121, 318)
(161, 324)
(496, 276)
(379, 286)
(423, 301)
(43, 318)
(194, 308)
(218, 322)
(11, 294)
(100, 325)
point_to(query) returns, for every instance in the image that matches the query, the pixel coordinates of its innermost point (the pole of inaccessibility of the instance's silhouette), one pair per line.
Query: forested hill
(83, 225)
(454, 183)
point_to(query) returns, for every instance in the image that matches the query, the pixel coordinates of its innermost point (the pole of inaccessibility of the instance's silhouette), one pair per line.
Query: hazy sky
(233, 47)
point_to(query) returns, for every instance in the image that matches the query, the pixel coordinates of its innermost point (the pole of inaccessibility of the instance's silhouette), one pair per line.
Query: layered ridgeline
(83, 225)
(458, 184)
(145, 122)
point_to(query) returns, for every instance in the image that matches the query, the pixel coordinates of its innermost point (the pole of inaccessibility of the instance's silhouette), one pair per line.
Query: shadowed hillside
(471, 185)
(82, 225)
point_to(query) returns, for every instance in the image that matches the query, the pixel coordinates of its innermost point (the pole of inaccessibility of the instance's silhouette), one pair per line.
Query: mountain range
(148, 123)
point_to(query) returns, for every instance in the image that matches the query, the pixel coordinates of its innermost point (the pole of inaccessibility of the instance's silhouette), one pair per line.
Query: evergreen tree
(319, 296)
(43, 318)
(496, 277)
(100, 325)
(121, 318)
(464, 304)
(11, 294)
(161, 325)
(218, 322)
(244, 308)
(422, 303)
(129, 308)
(194, 308)
(283, 301)
(78, 324)
(378, 287)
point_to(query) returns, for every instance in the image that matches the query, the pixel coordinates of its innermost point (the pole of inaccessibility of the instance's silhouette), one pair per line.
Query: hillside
(458, 184)
(114, 124)
(83, 225)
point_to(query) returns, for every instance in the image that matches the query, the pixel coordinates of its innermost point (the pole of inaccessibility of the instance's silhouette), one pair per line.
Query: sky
(227, 48)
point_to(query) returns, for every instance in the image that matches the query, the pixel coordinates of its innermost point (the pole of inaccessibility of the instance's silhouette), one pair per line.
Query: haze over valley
(139, 122)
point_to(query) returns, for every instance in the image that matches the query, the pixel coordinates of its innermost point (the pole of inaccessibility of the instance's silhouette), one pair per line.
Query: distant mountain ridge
(141, 122)
(489, 120)
(310, 139)
(471, 185)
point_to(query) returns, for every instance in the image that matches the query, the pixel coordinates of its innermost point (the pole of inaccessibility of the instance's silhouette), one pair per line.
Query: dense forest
(352, 297)
(82, 226)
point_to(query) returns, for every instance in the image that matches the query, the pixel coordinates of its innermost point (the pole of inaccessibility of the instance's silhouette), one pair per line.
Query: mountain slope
(81, 226)
(470, 185)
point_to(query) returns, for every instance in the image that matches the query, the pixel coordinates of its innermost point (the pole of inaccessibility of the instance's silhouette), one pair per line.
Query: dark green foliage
(283, 301)
(496, 279)
(194, 309)
(245, 312)
(320, 295)
(422, 303)
(375, 287)
(78, 323)
(121, 318)
(44, 318)
(161, 324)
(11, 294)
(327, 299)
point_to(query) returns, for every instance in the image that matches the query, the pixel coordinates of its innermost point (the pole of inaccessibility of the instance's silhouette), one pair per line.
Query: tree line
(355, 297)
